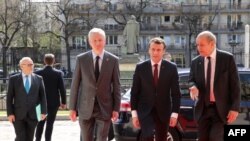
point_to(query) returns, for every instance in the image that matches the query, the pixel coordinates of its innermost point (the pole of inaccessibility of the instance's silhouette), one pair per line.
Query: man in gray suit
(25, 91)
(95, 89)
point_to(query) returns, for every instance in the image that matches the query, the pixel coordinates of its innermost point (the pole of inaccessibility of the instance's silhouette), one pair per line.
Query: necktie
(97, 72)
(207, 97)
(27, 84)
(155, 74)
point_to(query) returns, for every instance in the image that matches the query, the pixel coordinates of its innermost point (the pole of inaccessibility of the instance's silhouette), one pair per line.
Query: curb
(58, 117)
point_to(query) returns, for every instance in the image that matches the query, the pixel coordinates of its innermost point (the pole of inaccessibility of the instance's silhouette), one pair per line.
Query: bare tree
(11, 22)
(130, 7)
(69, 16)
(191, 18)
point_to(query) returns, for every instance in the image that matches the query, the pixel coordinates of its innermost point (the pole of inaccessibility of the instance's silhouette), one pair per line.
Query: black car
(186, 128)
(1, 73)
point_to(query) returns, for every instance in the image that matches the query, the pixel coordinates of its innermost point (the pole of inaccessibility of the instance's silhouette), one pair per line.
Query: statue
(131, 35)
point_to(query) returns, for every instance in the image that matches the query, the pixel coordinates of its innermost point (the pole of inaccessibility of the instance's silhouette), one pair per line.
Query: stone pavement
(64, 130)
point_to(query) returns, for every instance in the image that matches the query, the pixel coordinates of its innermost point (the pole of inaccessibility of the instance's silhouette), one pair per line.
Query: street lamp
(233, 44)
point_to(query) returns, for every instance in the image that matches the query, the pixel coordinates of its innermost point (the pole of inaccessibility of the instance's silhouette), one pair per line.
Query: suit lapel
(90, 65)
(149, 72)
(162, 72)
(33, 83)
(201, 70)
(217, 68)
(20, 79)
(104, 66)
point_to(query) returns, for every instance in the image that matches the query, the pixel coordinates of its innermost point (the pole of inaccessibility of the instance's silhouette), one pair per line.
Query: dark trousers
(153, 128)
(96, 128)
(25, 129)
(210, 126)
(50, 119)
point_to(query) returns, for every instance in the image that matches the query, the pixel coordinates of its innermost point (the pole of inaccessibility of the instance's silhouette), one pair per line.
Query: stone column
(246, 46)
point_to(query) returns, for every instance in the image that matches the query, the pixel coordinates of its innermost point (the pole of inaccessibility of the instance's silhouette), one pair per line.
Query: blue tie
(27, 84)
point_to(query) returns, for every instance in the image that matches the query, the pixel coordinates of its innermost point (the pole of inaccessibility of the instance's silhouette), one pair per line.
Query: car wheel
(173, 135)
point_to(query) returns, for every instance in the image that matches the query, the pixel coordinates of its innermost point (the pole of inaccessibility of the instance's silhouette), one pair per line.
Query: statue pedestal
(129, 59)
(128, 62)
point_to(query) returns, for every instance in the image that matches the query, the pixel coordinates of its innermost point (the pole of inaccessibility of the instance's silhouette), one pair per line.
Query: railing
(125, 84)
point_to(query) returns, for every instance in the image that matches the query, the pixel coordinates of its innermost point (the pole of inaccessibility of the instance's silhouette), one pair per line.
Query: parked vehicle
(186, 128)
(1, 73)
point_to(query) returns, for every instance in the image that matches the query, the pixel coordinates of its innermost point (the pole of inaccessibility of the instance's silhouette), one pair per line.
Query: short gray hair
(24, 59)
(97, 30)
(208, 35)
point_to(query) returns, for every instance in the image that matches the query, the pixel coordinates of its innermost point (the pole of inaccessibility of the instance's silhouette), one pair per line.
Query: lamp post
(233, 44)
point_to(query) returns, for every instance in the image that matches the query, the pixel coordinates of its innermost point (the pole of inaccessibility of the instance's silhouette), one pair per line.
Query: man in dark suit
(98, 101)
(25, 91)
(155, 94)
(55, 93)
(214, 84)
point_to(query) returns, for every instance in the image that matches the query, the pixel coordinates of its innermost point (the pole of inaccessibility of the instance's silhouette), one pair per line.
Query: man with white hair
(95, 89)
(25, 92)
(214, 84)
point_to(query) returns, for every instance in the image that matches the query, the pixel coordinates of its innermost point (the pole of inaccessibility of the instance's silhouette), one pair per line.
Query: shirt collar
(213, 54)
(153, 63)
(94, 55)
(24, 75)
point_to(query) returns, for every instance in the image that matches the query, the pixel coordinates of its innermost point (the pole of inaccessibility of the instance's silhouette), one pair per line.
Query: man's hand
(172, 122)
(115, 116)
(11, 118)
(136, 122)
(194, 93)
(72, 115)
(43, 116)
(63, 106)
(232, 116)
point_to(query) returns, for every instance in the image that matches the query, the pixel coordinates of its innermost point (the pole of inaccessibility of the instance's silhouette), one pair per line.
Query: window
(112, 40)
(180, 40)
(146, 19)
(234, 21)
(178, 19)
(234, 37)
(79, 42)
(167, 40)
(110, 26)
(166, 18)
(112, 7)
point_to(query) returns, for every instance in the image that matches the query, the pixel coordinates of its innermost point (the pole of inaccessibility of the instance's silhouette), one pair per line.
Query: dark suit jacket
(226, 84)
(54, 86)
(165, 98)
(84, 88)
(21, 104)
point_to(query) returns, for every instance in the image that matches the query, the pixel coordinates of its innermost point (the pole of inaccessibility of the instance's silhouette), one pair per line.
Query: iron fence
(125, 84)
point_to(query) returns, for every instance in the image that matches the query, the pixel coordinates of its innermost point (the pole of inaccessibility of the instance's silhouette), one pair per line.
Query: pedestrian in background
(214, 84)
(25, 92)
(98, 100)
(55, 93)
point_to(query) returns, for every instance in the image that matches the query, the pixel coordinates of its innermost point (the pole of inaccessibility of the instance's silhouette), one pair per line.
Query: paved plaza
(64, 130)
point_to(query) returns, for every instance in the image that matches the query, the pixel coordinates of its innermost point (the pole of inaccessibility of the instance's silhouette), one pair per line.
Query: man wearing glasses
(25, 91)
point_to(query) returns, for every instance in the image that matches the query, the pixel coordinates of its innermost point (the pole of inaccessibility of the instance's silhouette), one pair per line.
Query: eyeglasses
(29, 65)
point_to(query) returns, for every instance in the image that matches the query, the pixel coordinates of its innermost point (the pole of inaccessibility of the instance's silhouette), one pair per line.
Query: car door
(244, 114)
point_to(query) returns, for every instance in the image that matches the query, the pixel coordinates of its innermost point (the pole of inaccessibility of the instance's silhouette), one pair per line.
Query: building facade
(176, 21)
